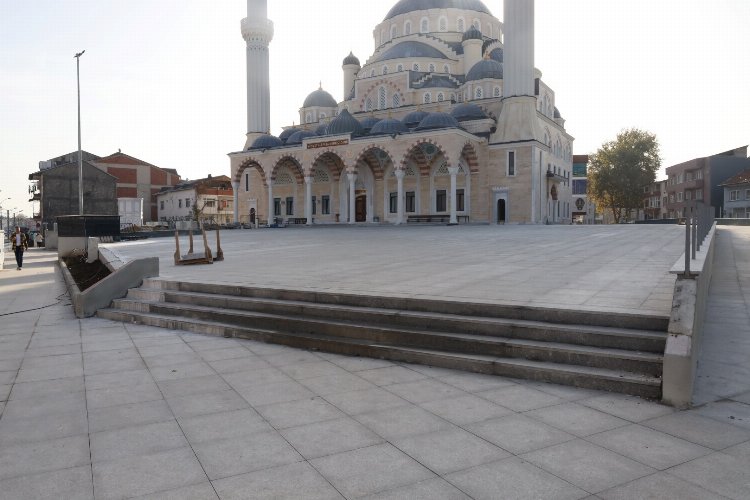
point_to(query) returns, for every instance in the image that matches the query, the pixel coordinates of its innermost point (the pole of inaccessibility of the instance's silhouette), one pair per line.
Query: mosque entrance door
(501, 211)
(360, 207)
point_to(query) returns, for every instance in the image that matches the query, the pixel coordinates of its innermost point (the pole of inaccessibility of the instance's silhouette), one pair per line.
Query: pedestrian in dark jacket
(20, 243)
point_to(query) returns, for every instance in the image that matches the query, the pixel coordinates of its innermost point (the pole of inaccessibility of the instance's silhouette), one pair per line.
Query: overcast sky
(164, 80)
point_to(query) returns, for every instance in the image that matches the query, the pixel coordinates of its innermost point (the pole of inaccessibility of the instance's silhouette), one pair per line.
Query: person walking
(20, 243)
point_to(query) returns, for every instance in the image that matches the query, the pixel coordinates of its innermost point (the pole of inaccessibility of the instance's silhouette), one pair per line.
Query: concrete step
(579, 376)
(648, 322)
(546, 351)
(595, 336)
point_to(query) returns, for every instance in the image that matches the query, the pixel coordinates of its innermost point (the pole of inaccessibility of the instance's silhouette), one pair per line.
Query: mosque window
(411, 201)
(431, 68)
(283, 178)
(478, 93)
(441, 97)
(511, 163)
(247, 182)
(322, 115)
(290, 205)
(453, 97)
(308, 118)
(394, 32)
(443, 24)
(477, 24)
(381, 98)
(400, 68)
(460, 200)
(396, 100)
(441, 199)
(407, 28)
(460, 25)
(385, 70)
(368, 104)
(372, 73)
(416, 67)
(409, 171)
(427, 98)
(446, 69)
(325, 205)
(496, 92)
(277, 206)
(424, 25)
(393, 203)
(442, 170)
(321, 175)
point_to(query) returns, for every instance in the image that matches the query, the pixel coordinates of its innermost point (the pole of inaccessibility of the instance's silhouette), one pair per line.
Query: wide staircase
(609, 351)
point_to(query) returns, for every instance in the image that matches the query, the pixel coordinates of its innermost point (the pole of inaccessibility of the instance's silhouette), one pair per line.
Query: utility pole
(80, 157)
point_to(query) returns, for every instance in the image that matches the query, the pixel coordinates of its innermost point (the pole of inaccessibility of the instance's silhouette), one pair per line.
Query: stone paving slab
(612, 268)
(213, 429)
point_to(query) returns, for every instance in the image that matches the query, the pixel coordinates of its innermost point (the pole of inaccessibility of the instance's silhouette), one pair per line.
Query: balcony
(693, 184)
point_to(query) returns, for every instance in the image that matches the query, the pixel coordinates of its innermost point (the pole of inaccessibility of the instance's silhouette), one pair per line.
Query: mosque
(448, 120)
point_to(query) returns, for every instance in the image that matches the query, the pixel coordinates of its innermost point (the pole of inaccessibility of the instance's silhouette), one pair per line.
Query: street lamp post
(80, 157)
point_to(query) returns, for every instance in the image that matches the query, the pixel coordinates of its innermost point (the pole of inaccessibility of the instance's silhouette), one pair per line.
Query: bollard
(687, 246)
(695, 231)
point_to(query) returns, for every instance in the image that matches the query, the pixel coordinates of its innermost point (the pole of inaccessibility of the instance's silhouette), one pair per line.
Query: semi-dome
(412, 119)
(345, 123)
(406, 6)
(467, 111)
(557, 113)
(287, 133)
(351, 59)
(266, 141)
(320, 98)
(486, 68)
(368, 123)
(389, 126)
(299, 136)
(437, 120)
(411, 49)
(472, 34)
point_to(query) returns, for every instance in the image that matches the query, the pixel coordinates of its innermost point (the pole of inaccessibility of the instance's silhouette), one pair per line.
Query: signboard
(580, 204)
(328, 144)
(579, 169)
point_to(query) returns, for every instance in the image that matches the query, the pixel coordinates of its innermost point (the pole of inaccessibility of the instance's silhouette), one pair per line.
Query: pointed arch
(250, 163)
(293, 164)
(419, 152)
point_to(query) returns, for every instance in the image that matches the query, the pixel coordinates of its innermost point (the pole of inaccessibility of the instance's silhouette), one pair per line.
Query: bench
(297, 220)
(427, 219)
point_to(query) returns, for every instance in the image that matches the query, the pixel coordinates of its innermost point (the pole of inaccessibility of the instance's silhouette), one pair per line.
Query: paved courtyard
(612, 268)
(96, 409)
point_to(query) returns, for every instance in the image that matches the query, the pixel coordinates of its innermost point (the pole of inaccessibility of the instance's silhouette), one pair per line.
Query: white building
(210, 199)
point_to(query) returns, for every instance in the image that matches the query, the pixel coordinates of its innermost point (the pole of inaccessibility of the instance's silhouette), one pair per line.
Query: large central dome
(405, 6)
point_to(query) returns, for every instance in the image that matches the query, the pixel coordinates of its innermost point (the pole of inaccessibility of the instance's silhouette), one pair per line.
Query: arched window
(446, 69)
(431, 68)
(477, 24)
(407, 28)
(453, 96)
(416, 67)
(323, 115)
(478, 93)
(496, 92)
(443, 24)
(424, 25)
(441, 97)
(368, 104)
(372, 73)
(308, 118)
(396, 100)
(394, 31)
(381, 98)
(385, 70)
(460, 25)
(400, 68)
(427, 98)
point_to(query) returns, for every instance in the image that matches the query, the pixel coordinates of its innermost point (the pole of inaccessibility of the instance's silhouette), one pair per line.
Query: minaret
(351, 67)
(518, 118)
(257, 30)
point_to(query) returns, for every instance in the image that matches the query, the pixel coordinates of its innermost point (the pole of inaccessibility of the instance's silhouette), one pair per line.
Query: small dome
(368, 123)
(287, 133)
(389, 126)
(299, 136)
(437, 120)
(320, 98)
(497, 54)
(412, 119)
(467, 111)
(345, 123)
(486, 68)
(266, 141)
(472, 34)
(351, 59)
(322, 129)
(557, 113)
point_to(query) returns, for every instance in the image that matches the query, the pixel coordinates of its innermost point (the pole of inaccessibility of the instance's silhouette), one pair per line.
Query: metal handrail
(698, 224)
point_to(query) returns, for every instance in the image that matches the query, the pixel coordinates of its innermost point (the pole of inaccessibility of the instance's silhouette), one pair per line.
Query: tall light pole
(80, 156)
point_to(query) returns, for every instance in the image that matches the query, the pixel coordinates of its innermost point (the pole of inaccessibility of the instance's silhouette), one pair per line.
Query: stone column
(270, 201)
(308, 199)
(236, 191)
(352, 197)
(400, 203)
(453, 171)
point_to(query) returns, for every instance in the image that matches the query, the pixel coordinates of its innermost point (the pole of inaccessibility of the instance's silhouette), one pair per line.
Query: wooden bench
(427, 219)
(297, 220)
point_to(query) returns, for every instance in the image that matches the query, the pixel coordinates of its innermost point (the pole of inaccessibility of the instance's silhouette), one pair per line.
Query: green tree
(620, 169)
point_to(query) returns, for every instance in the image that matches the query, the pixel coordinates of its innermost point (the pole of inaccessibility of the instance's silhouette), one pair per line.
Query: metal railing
(698, 223)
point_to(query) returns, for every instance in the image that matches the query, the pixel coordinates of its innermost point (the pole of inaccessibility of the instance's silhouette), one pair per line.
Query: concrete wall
(686, 325)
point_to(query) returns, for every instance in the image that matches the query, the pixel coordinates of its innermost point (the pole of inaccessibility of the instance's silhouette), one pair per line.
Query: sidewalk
(96, 409)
